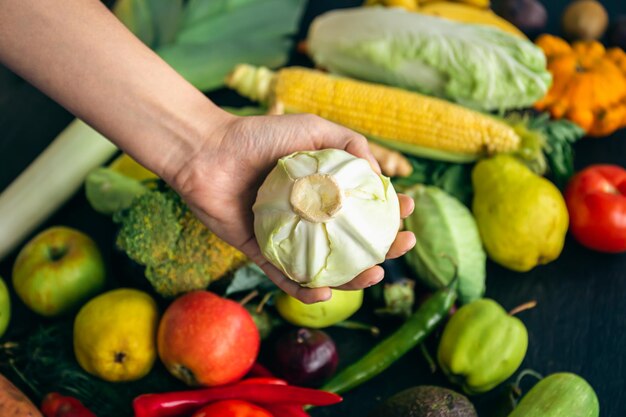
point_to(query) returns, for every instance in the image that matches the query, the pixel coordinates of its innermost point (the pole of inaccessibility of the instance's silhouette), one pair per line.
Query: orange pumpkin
(589, 84)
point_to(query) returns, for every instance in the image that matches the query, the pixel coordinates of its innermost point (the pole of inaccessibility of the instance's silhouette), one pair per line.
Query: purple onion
(305, 357)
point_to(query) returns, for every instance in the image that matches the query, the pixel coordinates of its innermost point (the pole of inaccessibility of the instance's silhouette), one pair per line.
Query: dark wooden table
(579, 324)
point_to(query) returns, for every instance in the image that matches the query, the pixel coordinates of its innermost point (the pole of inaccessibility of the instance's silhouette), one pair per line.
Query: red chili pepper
(232, 408)
(259, 370)
(173, 404)
(262, 380)
(286, 410)
(57, 405)
(277, 410)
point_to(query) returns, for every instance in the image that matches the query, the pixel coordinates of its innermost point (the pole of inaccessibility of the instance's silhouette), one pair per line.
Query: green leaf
(199, 10)
(136, 16)
(560, 135)
(266, 18)
(206, 66)
(453, 178)
(448, 244)
(246, 111)
(249, 277)
(167, 16)
(203, 40)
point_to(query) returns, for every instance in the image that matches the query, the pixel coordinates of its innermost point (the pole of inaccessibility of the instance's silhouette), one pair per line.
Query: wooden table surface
(579, 324)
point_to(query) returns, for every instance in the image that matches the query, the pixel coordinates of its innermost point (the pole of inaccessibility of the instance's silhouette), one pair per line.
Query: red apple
(58, 270)
(204, 339)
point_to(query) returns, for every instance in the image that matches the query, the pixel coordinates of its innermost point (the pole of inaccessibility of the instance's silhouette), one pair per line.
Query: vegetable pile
(465, 114)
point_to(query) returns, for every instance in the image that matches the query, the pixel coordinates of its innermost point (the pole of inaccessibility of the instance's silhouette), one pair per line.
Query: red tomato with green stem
(232, 408)
(596, 201)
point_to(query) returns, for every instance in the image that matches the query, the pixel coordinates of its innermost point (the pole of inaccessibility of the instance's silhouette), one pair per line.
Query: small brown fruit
(585, 20)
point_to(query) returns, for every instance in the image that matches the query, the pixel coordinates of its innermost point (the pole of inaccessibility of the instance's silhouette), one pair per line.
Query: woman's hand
(220, 182)
(216, 161)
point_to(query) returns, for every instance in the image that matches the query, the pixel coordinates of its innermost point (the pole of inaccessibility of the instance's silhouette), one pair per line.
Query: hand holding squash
(220, 184)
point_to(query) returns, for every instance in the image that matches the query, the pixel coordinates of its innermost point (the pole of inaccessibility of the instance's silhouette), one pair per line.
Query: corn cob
(405, 4)
(406, 121)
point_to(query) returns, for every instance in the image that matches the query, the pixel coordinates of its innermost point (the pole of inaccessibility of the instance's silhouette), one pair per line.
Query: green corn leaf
(206, 66)
(136, 16)
(198, 11)
(263, 18)
(204, 39)
(167, 16)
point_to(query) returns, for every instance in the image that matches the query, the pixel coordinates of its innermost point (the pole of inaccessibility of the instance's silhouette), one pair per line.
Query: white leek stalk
(322, 217)
(49, 181)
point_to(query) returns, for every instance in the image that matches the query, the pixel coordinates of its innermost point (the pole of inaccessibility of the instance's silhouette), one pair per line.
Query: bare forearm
(78, 53)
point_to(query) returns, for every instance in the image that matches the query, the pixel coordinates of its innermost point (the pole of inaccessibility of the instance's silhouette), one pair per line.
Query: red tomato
(596, 201)
(232, 408)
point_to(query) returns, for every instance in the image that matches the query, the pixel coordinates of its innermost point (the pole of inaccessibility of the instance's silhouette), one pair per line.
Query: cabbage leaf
(477, 66)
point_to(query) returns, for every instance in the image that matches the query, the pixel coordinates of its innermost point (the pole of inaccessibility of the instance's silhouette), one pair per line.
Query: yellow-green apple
(5, 307)
(204, 339)
(58, 270)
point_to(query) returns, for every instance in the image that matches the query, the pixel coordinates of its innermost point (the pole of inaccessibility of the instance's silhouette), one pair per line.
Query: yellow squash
(589, 86)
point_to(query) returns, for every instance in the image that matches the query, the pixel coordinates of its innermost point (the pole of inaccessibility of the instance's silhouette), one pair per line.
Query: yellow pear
(115, 335)
(522, 217)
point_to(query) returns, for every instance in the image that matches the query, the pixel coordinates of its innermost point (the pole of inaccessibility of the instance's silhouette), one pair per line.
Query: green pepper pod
(482, 346)
(410, 334)
(559, 395)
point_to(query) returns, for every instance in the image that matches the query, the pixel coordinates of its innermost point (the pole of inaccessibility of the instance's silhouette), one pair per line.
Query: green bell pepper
(482, 346)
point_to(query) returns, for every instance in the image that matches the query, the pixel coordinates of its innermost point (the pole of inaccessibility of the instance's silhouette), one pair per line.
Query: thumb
(358, 146)
(350, 141)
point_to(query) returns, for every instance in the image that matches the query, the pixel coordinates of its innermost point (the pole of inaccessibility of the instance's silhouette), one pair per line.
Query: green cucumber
(559, 395)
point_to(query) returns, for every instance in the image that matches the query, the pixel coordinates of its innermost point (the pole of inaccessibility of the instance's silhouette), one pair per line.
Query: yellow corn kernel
(408, 121)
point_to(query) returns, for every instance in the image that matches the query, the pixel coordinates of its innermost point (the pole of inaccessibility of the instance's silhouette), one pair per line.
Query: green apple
(58, 270)
(5, 307)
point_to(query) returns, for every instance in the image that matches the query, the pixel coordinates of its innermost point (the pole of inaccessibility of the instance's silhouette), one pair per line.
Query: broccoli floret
(179, 253)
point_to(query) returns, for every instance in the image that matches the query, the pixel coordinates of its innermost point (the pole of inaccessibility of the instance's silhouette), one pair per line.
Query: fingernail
(377, 280)
(327, 297)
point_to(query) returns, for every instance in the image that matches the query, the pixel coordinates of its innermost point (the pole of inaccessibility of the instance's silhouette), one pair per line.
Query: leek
(49, 181)
(199, 40)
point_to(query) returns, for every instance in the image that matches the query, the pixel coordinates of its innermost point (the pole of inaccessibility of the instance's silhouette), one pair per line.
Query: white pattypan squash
(323, 217)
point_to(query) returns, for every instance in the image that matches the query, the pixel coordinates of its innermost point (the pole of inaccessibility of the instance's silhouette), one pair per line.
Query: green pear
(522, 217)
